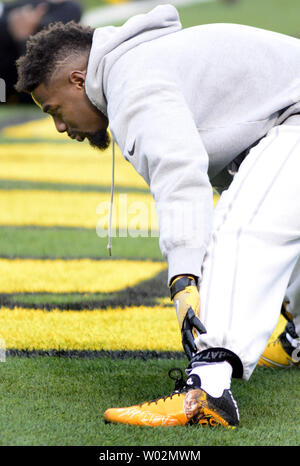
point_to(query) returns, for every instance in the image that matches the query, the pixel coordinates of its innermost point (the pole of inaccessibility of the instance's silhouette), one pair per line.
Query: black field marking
(83, 257)
(13, 115)
(94, 354)
(143, 294)
(7, 140)
(58, 228)
(69, 187)
(70, 258)
(41, 227)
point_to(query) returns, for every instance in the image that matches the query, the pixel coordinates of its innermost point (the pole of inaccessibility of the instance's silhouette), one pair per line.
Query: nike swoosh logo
(131, 152)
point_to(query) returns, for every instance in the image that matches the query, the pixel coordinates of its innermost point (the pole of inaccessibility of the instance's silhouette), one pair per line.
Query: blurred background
(19, 19)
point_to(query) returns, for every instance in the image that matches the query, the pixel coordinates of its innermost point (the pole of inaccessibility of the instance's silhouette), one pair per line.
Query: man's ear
(77, 78)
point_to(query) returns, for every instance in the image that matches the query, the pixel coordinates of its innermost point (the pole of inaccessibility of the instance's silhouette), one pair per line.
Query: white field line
(118, 13)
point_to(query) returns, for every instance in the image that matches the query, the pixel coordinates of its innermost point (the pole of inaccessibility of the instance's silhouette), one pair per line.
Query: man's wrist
(180, 282)
(189, 275)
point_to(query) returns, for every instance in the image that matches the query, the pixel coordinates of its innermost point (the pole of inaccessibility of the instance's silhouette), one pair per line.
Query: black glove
(185, 296)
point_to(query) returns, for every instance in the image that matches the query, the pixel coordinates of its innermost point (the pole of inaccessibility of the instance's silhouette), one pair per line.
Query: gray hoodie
(183, 104)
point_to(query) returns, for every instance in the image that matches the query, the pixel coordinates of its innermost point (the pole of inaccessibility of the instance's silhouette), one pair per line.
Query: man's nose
(60, 125)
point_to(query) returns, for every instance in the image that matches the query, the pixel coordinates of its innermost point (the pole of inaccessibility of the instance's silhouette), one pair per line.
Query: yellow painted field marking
(66, 163)
(36, 129)
(132, 211)
(76, 275)
(135, 328)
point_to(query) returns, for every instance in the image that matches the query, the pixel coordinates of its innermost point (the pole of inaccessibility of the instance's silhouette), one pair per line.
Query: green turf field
(60, 401)
(84, 332)
(277, 15)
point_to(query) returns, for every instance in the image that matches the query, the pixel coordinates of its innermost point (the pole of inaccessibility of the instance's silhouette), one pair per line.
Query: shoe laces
(175, 374)
(180, 382)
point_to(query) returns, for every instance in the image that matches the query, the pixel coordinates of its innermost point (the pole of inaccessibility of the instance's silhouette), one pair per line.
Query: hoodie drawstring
(109, 245)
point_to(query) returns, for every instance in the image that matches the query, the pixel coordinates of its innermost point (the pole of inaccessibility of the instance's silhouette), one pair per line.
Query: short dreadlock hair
(46, 49)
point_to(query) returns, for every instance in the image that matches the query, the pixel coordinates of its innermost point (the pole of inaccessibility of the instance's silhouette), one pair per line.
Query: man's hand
(185, 295)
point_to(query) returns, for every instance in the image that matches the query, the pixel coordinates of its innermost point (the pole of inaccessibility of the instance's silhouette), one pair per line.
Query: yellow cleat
(188, 404)
(163, 412)
(284, 351)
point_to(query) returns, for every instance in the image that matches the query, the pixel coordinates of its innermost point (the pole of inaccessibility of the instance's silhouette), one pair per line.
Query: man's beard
(100, 139)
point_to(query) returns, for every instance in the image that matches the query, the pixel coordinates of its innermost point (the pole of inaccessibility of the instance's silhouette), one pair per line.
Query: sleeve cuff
(182, 261)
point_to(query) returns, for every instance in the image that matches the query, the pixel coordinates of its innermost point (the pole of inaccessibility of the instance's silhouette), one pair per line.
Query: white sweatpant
(254, 247)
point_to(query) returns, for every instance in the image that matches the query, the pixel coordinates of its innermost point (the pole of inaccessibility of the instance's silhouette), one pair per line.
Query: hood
(111, 42)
